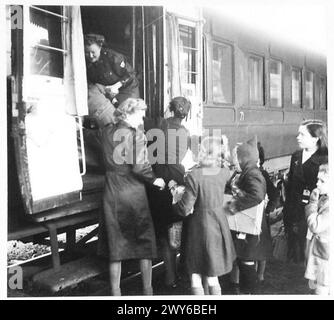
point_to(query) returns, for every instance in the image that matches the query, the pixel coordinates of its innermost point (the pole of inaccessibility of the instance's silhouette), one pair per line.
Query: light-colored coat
(318, 220)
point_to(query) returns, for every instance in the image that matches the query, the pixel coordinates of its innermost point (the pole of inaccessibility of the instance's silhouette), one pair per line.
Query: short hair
(317, 129)
(93, 38)
(129, 106)
(212, 151)
(324, 168)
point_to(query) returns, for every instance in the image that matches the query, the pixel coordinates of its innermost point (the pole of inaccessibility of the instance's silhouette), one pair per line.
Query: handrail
(82, 144)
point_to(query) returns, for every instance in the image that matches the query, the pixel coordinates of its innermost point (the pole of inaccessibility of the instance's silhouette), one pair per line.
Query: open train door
(183, 61)
(51, 95)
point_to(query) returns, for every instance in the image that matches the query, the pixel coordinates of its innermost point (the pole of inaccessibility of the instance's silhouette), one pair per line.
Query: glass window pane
(222, 73)
(46, 62)
(309, 103)
(188, 54)
(45, 30)
(54, 9)
(275, 74)
(255, 74)
(187, 36)
(296, 87)
(323, 97)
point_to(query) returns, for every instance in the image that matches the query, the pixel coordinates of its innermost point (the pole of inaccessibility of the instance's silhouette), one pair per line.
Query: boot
(247, 278)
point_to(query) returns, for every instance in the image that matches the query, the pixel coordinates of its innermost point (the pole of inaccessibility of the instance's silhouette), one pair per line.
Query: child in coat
(249, 190)
(209, 249)
(318, 235)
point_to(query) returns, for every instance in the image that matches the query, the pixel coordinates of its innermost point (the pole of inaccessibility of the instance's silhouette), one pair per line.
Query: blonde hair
(212, 151)
(129, 106)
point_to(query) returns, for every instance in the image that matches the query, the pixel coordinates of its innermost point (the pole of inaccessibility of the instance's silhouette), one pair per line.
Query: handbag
(320, 248)
(280, 242)
(174, 235)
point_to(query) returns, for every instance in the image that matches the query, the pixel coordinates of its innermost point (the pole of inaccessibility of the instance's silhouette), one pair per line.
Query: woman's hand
(160, 183)
(113, 90)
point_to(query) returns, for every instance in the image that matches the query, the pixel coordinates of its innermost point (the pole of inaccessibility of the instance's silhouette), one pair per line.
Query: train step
(70, 274)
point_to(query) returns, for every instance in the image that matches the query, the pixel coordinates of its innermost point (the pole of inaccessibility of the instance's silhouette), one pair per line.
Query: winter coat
(209, 248)
(111, 68)
(252, 187)
(127, 217)
(168, 168)
(318, 221)
(302, 176)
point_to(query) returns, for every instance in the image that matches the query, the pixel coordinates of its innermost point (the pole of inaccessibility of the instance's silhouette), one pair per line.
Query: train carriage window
(309, 89)
(255, 76)
(275, 83)
(222, 73)
(188, 54)
(45, 38)
(296, 86)
(323, 96)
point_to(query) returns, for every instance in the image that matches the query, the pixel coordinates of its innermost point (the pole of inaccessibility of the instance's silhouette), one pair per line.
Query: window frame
(28, 46)
(221, 42)
(263, 67)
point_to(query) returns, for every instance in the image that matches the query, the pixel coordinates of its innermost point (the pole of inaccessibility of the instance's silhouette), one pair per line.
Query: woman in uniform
(110, 68)
(127, 217)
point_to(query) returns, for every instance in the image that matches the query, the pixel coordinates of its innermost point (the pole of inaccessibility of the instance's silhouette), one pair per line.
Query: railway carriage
(238, 80)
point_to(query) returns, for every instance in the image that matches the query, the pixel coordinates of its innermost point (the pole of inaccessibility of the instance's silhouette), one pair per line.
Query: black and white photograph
(167, 150)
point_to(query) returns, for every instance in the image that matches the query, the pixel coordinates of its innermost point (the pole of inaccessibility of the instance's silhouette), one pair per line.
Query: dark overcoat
(169, 168)
(127, 217)
(302, 176)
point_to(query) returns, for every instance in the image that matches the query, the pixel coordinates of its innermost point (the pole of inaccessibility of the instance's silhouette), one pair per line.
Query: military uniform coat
(111, 68)
(127, 217)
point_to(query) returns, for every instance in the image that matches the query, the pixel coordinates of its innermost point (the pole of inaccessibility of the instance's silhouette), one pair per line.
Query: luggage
(247, 221)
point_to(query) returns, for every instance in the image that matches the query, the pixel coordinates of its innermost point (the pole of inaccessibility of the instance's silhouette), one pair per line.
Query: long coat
(302, 176)
(112, 67)
(127, 217)
(209, 248)
(168, 168)
(252, 184)
(318, 221)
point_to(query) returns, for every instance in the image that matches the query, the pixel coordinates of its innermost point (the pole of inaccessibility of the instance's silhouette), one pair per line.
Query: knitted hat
(248, 152)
